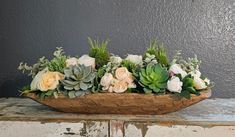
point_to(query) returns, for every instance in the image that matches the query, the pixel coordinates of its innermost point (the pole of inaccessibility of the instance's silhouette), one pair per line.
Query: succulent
(153, 78)
(78, 78)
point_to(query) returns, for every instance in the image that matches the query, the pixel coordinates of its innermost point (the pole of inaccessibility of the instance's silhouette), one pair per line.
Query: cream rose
(87, 61)
(176, 69)
(207, 81)
(106, 81)
(46, 80)
(122, 73)
(137, 59)
(174, 84)
(116, 59)
(120, 87)
(199, 84)
(195, 73)
(71, 62)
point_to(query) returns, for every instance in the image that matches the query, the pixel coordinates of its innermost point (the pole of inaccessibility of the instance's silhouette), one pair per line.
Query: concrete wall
(30, 29)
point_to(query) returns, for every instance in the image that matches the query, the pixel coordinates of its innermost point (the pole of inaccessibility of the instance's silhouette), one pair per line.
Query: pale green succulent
(78, 78)
(153, 78)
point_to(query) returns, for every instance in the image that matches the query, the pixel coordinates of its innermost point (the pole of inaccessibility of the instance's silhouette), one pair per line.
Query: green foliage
(99, 51)
(189, 65)
(188, 88)
(43, 95)
(78, 78)
(153, 78)
(101, 71)
(33, 70)
(132, 67)
(159, 52)
(58, 62)
(25, 90)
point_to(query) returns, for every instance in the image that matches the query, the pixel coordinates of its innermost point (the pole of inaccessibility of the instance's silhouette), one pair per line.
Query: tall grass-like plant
(159, 52)
(99, 51)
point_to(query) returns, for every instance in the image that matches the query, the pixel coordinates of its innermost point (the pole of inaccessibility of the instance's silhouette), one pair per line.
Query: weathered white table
(26, 118)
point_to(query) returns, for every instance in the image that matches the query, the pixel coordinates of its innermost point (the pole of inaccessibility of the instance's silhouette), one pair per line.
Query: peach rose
(46, 80)
(120, 87)
(122, 73)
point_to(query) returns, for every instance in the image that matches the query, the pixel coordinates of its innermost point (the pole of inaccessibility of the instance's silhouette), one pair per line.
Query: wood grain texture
(126, 103)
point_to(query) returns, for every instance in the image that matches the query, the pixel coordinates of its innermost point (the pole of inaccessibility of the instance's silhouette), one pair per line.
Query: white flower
(199, 84)
(87, 61)
(106, 80)
(195, 73)
(46, 80)
(207, 81)
(115, 59)
(137, 59)
(174, 84)
(176, 69)
(71, 62)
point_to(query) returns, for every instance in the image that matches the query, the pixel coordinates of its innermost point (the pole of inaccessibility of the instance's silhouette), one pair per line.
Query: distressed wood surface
(126, 103)
(209, 112)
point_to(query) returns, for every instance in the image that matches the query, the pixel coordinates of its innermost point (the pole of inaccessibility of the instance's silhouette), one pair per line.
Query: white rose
(71, 62)
(115, 59)
(207, 81)
(174, 84)
(137, 59)
(37, 79)
(195, 73)
(176, 69)
(199, 84)
(87, 61)
(106, 80)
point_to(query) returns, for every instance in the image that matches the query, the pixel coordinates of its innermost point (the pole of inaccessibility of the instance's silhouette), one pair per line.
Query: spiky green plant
(153, 78)
(159, 52)
(132, 67)
(78, 78)
(99, 51)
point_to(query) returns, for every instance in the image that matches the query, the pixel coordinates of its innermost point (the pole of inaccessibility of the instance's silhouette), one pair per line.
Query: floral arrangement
(100, 71)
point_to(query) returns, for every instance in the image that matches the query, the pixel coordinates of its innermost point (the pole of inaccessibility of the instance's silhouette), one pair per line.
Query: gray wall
(30, 29)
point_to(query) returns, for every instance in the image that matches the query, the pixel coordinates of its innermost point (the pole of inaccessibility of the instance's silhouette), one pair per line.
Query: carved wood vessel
(126, 103)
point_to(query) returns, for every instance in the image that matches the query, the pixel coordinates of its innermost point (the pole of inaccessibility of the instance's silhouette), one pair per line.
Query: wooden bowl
(126, 103)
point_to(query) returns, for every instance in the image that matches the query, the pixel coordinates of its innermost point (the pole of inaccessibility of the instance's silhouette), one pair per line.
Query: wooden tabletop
(209, 112)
